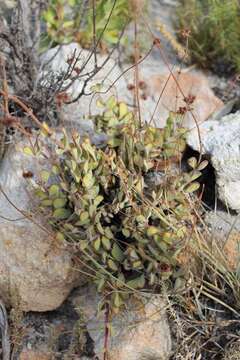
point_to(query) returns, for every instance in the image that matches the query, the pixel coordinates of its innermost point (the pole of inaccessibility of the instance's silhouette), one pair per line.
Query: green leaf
(195, 175)
(117, 252)
(54, 190)
(100, 228)
(86, 167)
(202, 165)
(114, 142)
(139, 186)
(112, 265)
(89, 149)
(141, 219)
(117, 300)
(59, 203)
(45, 130)
(92, 210)
(64, 186)
(61, 214)
(97, 244)
(123, 109)
(111, 36)
(28, 151)
(98, 200)
(50, 16)
(73, 165)
(83, 245)
(137, 264)
(72, 2)
(41, 194)
(46, 202)
(193, 187)
(84, 216)
(192, 162)
(152, 230)
(126, 232)
(88, 180)
(168, 237)
(108, 232)
(106, 243)
(111, 102)
(74, 152)
(55, 169)
(113, 122)
(68, 24)
(137, 283)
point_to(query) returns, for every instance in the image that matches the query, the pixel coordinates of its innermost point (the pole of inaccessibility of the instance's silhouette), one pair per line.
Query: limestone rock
(110, 77)
(225, 229)
(220, 141)
(139, 332)
(35, 271)
(113, 82)
(172, 91)
(222, 222)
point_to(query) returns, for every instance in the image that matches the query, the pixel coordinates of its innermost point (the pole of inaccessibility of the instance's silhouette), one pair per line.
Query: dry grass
(205, 316)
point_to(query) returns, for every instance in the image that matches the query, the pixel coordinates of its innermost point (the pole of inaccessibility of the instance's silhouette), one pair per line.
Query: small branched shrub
(126, 228)
(215, 32)
(69, 21)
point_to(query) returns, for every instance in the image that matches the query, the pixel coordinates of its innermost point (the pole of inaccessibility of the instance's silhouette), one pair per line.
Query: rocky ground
(55, 312)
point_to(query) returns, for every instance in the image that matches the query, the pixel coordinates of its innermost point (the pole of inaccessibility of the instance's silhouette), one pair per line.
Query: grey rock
(114, 82)
(222, 223)
(225, 110)
(110, 77)
(221, 141)
(36, 273)
(139, 332)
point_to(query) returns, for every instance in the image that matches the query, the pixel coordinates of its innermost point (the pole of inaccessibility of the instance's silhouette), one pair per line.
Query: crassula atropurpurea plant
(127, 230)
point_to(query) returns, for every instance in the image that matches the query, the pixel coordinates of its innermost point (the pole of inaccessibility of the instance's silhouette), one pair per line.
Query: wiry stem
(106, 335)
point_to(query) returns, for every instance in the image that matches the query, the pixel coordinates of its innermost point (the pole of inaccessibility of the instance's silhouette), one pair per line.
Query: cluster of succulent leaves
(215, 31)
(72, 20)
(128, 234)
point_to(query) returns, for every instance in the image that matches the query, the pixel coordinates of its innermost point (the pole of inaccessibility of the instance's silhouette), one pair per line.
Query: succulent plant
(129, 233)
(68, 21)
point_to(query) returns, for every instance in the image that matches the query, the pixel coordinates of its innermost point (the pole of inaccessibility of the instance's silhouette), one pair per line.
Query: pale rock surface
(139, 332)
(225, 229)
(35, 272)
(110, 76)
(222, 222)
(114, 82)
(220, 140)
(172, 91)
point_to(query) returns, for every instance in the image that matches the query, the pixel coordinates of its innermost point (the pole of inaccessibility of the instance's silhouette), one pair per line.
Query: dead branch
(28, 79)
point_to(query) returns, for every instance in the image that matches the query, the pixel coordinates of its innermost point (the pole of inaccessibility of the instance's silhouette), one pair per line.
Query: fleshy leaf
(61, 213)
